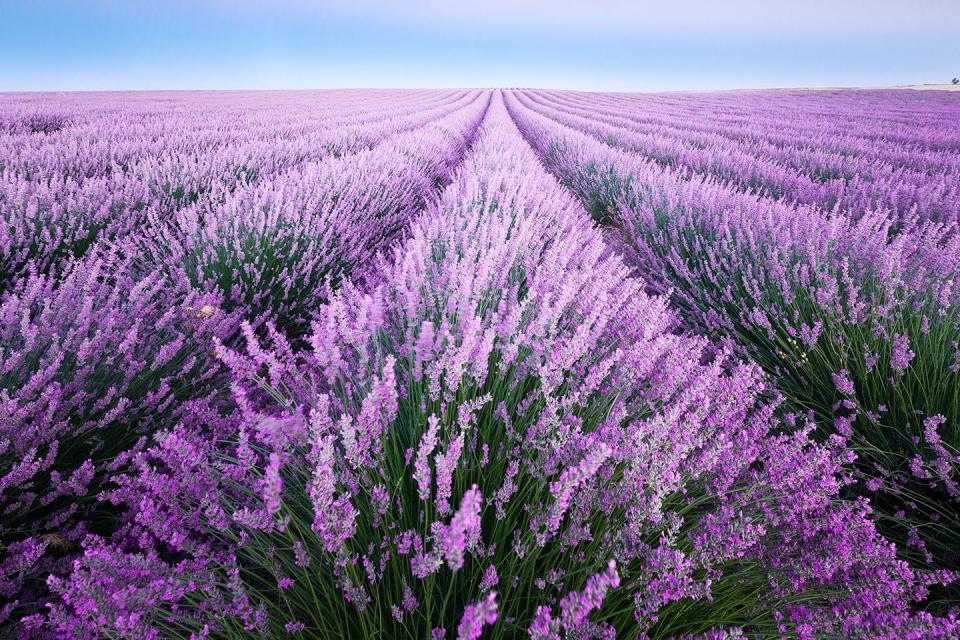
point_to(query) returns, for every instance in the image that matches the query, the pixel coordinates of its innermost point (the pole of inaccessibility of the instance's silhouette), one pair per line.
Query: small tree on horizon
(955, 81)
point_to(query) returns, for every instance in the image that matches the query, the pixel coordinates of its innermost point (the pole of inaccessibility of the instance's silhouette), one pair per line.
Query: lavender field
(461, 364)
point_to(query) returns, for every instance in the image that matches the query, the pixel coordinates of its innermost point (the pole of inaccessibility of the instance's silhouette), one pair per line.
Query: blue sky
(604, 44)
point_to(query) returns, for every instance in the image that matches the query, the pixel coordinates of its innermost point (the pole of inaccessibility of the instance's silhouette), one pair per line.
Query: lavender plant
(90, 366)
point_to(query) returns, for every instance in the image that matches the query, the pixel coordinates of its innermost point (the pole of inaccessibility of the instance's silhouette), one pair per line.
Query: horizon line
(935, 86)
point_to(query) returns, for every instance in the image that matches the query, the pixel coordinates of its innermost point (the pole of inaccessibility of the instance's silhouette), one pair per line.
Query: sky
(615, 45)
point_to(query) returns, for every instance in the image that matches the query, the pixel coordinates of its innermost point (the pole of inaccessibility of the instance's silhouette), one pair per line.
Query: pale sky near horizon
(600, 45)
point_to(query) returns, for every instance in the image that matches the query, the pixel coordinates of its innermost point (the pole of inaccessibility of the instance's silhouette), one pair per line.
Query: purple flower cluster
(359, 364)
(475, 616)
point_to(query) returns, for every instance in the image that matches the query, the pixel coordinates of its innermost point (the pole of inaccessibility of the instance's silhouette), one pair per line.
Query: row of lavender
(226, 415)
(854, 314)
(131, 242)
(100, 165)
(811, 148)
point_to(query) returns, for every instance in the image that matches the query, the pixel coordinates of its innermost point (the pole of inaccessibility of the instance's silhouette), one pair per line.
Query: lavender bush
(90, 366)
